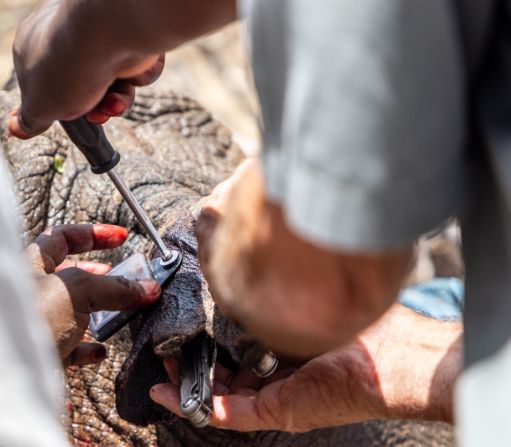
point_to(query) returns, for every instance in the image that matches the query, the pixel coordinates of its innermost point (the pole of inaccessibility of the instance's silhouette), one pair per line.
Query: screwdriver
(91, 140)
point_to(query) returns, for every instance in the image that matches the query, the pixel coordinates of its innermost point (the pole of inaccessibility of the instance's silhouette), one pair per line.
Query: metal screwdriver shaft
(91, 140)
(139, 213)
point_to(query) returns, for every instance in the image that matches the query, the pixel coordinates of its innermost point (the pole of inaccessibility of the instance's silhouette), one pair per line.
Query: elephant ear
(184, 310)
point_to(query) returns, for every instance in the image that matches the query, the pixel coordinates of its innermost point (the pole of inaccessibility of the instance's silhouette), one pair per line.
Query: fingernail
(97, 117)
(150, 286)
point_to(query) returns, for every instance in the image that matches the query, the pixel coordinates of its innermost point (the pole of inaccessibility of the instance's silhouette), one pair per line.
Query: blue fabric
(440, 298)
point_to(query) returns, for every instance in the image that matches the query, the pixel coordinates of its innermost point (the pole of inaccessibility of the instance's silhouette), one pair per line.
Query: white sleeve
(30, 379)
(483, 402)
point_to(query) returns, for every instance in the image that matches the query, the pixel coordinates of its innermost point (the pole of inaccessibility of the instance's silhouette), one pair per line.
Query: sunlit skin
(298, 298)
(402, 367)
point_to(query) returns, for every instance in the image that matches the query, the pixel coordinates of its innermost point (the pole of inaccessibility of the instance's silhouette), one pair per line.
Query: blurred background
(214, 70)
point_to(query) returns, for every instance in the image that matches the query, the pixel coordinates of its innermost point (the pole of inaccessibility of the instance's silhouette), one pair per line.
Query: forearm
(299, 298)
(417, 365)
(145, 26)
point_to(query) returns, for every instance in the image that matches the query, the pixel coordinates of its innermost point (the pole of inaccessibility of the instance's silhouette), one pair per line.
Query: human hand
(293, 399)
(66, 68)
(67, 291)
(402, 367)
(297, 297)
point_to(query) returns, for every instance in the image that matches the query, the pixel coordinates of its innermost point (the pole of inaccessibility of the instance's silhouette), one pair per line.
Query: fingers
(167, 395)
(246, 379)
(86, 354)
(172, 368)
(220, 198)
(51, 247)
(151, 74)
(237, 412)
(121, 95)
(280, 375)
(232, 412)
(223, 375)
(98, 268)
(91, 292)
(237, 403)
(204, 230)
(117, 101)
(22, 127)
(243, 382)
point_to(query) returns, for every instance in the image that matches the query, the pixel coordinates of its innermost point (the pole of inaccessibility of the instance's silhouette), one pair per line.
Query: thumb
(231, 412)
(90, 292)
(23, 127)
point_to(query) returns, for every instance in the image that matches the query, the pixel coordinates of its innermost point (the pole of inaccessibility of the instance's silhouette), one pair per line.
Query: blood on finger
(108, 236)
(113, 105)
(97, 117)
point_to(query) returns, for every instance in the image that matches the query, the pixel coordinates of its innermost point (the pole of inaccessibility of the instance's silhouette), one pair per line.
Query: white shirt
(30, 378)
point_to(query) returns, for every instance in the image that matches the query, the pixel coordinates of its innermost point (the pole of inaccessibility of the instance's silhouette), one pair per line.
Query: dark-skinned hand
(59, 82)
(68, 291)
(86, 58)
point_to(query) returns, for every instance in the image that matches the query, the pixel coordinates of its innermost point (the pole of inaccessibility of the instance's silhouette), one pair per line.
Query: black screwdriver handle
(91, 140)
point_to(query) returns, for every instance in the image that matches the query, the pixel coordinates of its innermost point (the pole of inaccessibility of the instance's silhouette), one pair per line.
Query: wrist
(417, 360)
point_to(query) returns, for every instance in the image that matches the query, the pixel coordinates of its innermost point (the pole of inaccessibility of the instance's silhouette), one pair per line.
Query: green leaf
(58, 164)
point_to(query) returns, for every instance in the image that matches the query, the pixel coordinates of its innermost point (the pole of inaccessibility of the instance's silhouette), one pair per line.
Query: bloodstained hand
(68, 291)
